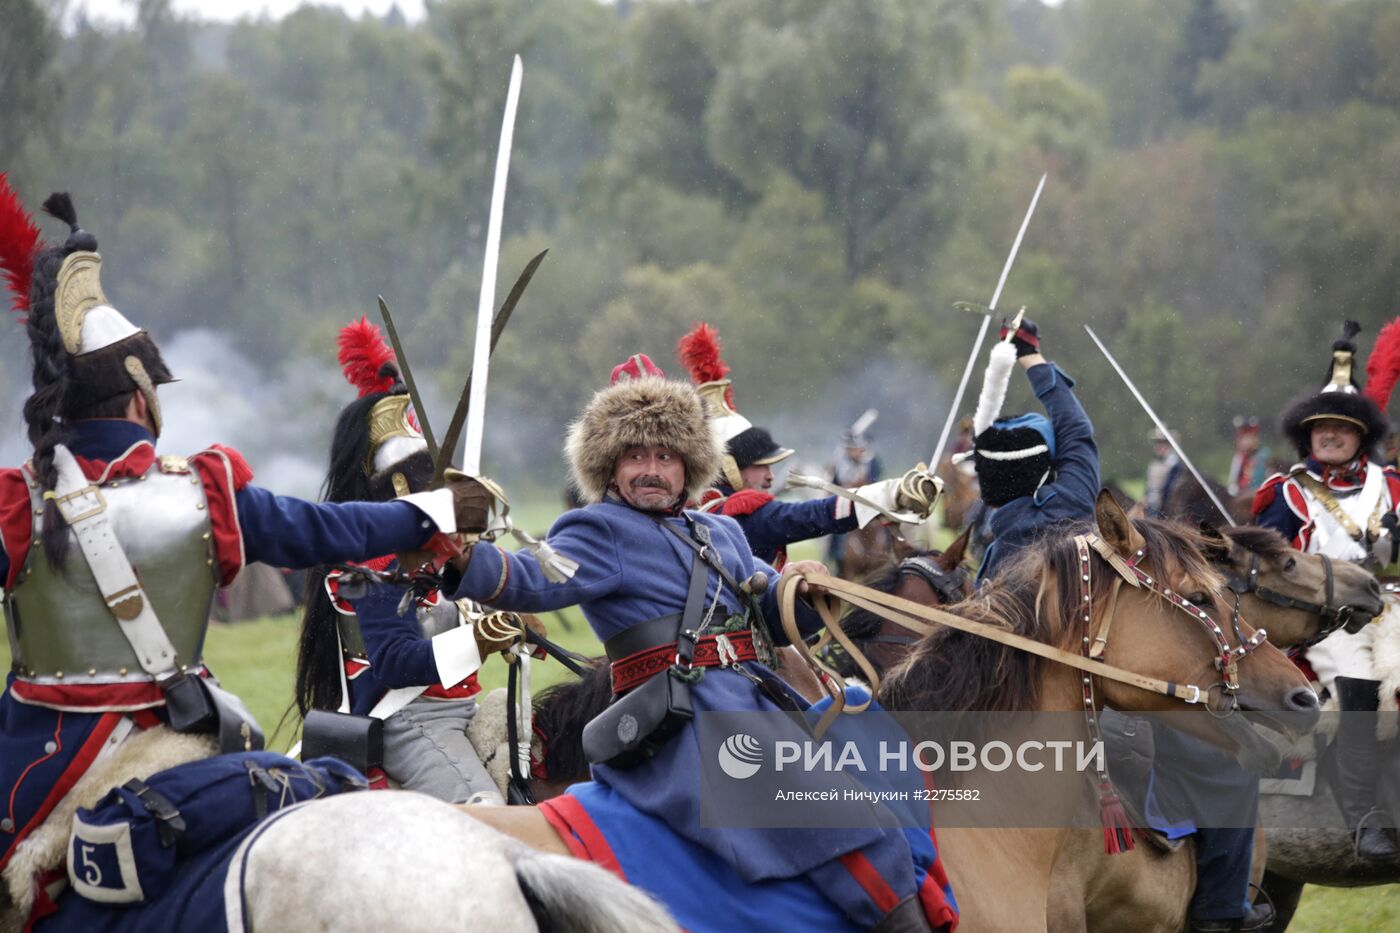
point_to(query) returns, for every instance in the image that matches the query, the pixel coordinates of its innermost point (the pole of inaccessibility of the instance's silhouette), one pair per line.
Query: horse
(1299, 599)
(1001, 876)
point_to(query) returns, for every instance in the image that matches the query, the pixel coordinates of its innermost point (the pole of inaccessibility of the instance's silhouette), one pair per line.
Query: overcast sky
(123, 11)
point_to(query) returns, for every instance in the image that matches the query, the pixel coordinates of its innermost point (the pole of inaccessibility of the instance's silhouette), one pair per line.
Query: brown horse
(1290, 595)
(1001, 877)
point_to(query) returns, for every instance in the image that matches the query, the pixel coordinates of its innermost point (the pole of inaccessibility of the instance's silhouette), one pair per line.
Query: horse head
(1299, 598)
(1175, 624)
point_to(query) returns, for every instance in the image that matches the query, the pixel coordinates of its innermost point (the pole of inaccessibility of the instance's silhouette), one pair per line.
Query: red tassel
(363, 355)
(19, 247)
(1117, 834)
(1383, 365)
(699, 352)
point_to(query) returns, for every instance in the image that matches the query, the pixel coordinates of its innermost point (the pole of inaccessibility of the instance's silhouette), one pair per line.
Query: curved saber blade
(481, 355)
(402, 357)
(498, 325)
(1160, 425)
(982, 331)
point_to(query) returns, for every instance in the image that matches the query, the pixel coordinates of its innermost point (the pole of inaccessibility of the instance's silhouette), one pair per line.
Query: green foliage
(821, 179)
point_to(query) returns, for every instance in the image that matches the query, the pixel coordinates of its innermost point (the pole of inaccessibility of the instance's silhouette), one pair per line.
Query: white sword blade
(982, 331)
(1160, 426)
(481, 352)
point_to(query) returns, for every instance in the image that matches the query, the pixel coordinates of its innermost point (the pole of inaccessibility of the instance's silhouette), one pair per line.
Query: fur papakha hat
(651, 410)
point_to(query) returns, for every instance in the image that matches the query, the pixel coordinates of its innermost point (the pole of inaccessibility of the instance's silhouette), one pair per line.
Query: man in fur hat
(1035, 471)
(640, 450)
(1340, 501)
(742, 483)
(110, 555)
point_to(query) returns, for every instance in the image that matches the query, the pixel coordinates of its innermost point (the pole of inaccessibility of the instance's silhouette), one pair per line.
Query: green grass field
(256, 660)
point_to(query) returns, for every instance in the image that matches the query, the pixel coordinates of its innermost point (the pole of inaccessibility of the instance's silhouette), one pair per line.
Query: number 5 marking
(92, 872)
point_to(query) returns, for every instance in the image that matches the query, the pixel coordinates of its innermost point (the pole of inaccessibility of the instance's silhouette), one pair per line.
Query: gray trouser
(426, 749)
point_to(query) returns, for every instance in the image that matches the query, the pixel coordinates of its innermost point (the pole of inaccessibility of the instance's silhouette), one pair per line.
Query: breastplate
(440, 617)
(59, 624)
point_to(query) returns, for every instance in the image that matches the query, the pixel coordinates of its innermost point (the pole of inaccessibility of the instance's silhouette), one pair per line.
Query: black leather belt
(649, 634)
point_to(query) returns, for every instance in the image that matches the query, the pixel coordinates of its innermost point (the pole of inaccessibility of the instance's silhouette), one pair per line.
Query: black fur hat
(1010, 462)
(1340, 399)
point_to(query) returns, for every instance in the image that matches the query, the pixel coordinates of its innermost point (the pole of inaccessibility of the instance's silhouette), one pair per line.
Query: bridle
(1334, 617)
(949, 585)
(1227, 658)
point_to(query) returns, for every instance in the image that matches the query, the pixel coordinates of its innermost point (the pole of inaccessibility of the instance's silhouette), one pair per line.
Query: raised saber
(1160, 425)
(418, 408)
(982, 331)
(481, 351)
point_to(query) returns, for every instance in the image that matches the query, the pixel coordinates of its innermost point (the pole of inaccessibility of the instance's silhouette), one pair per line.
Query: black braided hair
(67, 388)
(318, 672)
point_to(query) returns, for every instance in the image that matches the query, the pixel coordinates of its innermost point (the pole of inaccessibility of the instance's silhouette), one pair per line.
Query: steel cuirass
(59, 624)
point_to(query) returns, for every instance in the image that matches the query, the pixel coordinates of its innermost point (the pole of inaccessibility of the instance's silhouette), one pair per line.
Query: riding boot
(1358, 764)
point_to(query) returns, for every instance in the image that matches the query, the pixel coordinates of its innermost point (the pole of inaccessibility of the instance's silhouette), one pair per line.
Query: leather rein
(917, 618)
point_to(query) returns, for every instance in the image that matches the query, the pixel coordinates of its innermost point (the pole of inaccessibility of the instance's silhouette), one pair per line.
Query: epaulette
(1264, 496)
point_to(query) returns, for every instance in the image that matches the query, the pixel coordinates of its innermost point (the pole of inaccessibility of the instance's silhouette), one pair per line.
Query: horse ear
(1115, 527)
(1216, 546)
(951, 557)
(1138, 510)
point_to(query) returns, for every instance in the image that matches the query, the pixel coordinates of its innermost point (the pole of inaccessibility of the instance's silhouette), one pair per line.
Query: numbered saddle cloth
(141, 836)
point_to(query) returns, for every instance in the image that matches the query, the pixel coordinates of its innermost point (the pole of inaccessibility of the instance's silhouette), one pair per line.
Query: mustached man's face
(650, 477)
(1335, 442)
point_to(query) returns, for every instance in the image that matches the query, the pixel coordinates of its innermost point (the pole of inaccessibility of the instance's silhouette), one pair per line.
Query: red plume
(1383, 365)
(19, 246)
(363, 355)
(699, 353)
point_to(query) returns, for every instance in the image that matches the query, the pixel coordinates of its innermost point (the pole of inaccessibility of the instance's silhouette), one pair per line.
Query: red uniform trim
(573, 824)
(224, 472)
(640, 667)
(93, 698)
(1265, 494)
(935, 903)
(746, 502)
(75, 770)
(870, 880)
(16, 521)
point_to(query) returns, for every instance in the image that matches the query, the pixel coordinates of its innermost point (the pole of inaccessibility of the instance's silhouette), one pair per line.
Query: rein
(1336, 616)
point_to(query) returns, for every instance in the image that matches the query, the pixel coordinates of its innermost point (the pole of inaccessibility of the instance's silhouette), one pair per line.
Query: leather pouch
(636, 725)
(356, 740)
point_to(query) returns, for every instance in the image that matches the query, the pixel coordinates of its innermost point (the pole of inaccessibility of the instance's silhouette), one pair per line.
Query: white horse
(306, 869)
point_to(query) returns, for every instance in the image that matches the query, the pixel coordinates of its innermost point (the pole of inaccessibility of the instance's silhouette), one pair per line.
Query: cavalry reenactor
(682, 607)
(1035, 471)
(742, 483)
(415, 672)
(1250, 462)
(112, 554)
(1340, 501)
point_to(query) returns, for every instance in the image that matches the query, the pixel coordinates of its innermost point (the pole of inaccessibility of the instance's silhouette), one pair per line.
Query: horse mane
(1037, 595)
(1266, 542)
(560, 713)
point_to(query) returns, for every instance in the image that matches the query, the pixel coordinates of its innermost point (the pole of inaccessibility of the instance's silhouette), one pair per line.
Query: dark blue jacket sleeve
(1076, 454)
(778, 524)
(288, 532)
(398, 653)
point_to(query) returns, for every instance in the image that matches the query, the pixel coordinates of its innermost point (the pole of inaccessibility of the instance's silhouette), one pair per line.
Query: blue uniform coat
(1071, 497)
